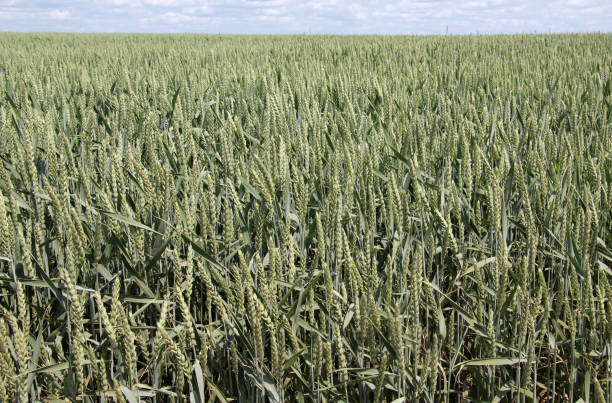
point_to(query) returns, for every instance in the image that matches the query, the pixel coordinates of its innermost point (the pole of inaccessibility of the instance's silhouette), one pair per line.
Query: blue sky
(323, 16)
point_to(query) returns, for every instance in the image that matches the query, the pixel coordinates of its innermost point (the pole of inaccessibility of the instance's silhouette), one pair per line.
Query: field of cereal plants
(305, 218)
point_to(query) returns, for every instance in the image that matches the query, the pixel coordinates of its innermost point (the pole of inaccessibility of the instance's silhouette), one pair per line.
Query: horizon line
(551, 33)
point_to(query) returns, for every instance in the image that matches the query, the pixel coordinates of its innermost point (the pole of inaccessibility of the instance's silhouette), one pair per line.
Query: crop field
(305, 218)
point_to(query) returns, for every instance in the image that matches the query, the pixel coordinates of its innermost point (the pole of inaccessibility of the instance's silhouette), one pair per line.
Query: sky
(315, 17)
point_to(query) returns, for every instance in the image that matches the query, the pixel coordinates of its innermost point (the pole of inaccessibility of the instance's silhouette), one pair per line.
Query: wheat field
(194, 218)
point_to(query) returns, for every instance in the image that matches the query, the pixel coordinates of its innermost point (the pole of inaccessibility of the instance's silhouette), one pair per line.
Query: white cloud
(273, 11)
(117, 2)
(268, 3)
(474, 4)
(167, 3)
(315, 5)
(443, 13)
(58, 14)
(578, 3)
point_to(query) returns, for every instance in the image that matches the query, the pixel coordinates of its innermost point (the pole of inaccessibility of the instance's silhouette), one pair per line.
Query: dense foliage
(200, 218)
